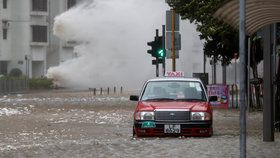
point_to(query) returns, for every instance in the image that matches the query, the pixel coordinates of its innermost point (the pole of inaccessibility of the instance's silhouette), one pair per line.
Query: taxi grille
(172, 115)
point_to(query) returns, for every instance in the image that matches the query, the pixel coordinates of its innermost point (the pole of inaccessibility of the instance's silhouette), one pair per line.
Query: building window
(5, 34)
(5, 26)
(3, 67)
(5, 4)
(40, 5)
(71, 3)
(39, 33)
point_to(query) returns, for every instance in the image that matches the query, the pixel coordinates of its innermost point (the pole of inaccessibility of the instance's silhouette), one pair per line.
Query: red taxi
(173, 106)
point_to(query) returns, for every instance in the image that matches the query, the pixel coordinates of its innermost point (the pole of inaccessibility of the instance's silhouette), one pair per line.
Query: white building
(26, 39)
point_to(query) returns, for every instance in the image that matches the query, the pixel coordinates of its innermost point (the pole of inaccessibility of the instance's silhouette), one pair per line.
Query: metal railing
(107, 91)
(13, 85)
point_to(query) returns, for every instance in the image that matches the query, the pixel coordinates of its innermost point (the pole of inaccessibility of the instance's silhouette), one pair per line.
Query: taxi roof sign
(174, 74)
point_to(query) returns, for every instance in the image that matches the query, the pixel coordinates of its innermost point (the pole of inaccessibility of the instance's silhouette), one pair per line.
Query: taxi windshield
(173, 90)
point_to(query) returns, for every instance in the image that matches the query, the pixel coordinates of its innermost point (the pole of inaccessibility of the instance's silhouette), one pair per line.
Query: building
(26, 39)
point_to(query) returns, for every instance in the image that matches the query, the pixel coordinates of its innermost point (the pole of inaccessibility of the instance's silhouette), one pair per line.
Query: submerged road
(78, 124)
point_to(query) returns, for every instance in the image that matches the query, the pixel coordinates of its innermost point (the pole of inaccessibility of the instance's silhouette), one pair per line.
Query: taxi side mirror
(213, 98)
(134, 98)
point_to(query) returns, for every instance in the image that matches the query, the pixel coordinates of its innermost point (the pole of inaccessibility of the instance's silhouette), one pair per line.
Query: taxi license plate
(172, 129)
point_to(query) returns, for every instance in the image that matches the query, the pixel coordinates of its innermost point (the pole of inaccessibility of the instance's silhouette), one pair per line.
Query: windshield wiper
(190, 99)
(159, 99)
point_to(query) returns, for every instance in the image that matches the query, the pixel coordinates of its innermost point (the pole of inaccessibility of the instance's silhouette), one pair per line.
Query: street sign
(222, 93)
(174, 74)
(169, 54)
(169, 21)
(177, 37)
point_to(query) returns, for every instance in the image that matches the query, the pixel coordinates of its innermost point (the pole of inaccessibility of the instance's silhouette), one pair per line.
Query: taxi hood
(186, 105)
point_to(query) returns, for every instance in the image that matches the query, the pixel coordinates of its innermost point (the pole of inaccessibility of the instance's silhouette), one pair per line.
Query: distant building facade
(26, 39)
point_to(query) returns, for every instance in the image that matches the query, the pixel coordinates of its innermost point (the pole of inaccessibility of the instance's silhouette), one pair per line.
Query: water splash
(112, 36)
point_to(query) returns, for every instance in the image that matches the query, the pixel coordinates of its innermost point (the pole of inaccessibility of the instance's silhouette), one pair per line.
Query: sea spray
(112, 37)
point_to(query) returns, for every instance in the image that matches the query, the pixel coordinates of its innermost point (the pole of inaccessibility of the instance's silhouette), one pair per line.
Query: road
(78, 124)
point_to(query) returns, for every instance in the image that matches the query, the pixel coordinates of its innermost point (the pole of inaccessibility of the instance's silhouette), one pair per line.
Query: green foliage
(40, 83)
(221, 40)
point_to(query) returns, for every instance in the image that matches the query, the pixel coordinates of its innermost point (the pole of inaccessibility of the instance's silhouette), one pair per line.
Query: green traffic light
(161, 53)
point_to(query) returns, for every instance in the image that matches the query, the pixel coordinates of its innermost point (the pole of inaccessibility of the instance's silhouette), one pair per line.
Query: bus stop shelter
(259, 14)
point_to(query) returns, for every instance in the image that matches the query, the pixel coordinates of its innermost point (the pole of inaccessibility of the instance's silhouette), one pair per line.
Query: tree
(221, 40)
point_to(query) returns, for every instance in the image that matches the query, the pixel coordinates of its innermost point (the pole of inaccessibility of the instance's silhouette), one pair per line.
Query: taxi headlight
(200, 116)
(145, 115)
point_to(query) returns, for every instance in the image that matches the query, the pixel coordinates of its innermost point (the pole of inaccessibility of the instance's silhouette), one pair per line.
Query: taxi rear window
(174, 90)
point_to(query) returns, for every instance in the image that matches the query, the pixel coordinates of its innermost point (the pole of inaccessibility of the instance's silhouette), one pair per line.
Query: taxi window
(174, 90)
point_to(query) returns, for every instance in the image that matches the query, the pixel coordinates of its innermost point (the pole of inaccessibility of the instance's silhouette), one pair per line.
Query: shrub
(40, 83)
(15, 72)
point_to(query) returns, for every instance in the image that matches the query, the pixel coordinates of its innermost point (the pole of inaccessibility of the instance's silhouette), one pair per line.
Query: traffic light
(152, 50)
(157, 50)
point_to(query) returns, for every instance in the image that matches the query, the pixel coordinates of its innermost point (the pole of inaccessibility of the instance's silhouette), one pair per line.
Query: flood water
(78, 124)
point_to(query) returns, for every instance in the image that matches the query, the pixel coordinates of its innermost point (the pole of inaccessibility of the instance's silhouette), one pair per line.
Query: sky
(112, 49)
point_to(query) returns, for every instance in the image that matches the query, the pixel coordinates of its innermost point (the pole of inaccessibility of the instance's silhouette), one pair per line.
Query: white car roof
(174, 79)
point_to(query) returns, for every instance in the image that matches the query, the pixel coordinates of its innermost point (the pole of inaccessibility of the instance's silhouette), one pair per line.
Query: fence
(107, 91)
(256, 99)
(13, 85)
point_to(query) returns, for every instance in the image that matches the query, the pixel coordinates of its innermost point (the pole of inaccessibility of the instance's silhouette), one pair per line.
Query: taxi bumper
(188, 129)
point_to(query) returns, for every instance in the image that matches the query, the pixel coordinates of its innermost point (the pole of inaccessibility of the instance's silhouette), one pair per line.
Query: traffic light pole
(163, 43)
(157, 66)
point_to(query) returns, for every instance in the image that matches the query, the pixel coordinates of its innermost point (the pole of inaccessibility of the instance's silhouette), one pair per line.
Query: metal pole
(235, 71)
(204, 62)
(26, 64)
(215, 70)
(235, 82)
(157, 67)
(173, 41)
(232, 95)
(268, 114)
(242, 35)
(163, 43)
(224, 74)
(274, 69)
(248, 77)
(212, 70)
